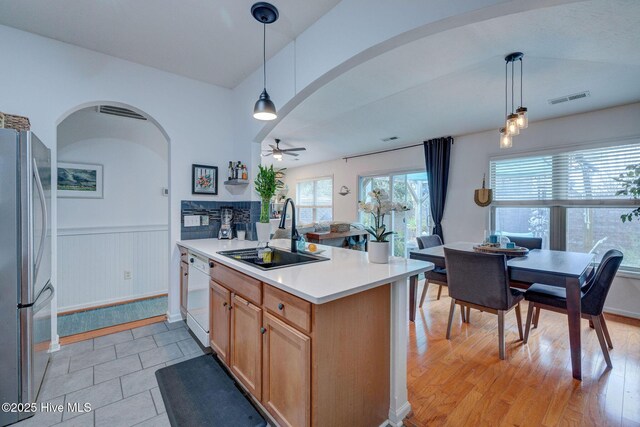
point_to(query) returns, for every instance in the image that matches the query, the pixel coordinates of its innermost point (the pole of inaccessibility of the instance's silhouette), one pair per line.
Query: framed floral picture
(204, 179)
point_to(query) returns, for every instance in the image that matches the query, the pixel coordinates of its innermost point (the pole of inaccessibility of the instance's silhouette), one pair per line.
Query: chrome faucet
(294, 231)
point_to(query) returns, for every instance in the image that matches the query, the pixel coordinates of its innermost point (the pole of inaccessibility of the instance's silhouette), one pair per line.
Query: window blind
(573, 175)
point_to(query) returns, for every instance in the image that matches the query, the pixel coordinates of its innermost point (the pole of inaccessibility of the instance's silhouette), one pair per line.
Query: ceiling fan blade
(290, 154)
(295, 149)
(272, 147)
(266, 155)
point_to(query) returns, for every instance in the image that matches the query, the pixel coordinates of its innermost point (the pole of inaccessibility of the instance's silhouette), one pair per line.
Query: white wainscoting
(92, 264)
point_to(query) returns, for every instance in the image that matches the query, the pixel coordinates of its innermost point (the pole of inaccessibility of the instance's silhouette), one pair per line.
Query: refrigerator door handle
(45, 226)
(48, 287)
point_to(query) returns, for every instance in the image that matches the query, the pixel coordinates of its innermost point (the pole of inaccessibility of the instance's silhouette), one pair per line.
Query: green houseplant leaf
(630, 183)
(266, 184)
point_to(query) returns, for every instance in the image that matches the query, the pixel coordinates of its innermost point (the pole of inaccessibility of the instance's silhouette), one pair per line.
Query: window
(569, 199)
(408, 188)
(314, 199)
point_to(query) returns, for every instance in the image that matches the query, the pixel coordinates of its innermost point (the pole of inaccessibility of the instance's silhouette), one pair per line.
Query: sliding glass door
(410, 189)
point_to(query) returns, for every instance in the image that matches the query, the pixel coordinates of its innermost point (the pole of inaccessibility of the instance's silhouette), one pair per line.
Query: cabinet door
(286, 373)
(184, 278)
(220, 316)
(246, 344)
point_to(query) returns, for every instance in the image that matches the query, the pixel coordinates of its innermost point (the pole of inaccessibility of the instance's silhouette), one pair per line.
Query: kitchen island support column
(399, 406)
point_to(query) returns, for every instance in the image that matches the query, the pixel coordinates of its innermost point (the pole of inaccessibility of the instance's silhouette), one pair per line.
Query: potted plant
(266, 184)
(379, 206)
(630, 181)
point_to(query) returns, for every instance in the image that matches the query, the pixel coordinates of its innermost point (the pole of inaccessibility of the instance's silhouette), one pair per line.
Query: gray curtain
(437, 153)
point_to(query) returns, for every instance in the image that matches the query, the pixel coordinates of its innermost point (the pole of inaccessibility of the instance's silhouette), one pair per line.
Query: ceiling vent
(567, 98)
(118, 111)
(391, 138)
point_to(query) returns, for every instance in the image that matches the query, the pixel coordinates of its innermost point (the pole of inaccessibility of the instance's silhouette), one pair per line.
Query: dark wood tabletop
(557, 268)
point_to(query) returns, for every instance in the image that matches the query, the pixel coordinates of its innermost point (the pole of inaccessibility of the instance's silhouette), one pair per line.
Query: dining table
(557, 268)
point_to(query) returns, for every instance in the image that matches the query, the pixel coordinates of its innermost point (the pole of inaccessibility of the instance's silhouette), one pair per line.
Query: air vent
(567, 98)
(118, 111)
(391, 138)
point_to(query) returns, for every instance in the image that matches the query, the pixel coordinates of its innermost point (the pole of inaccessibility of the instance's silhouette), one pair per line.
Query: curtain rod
(381, 151)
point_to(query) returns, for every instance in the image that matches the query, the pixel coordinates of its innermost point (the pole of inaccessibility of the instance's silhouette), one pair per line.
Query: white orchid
(380, 206)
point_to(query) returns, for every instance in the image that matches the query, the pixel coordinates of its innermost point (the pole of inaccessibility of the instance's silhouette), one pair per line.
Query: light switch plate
(192, 220)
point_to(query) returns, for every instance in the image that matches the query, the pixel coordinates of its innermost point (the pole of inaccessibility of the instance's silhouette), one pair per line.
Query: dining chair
(437, 276)
(481, 281)
(527, 242)
(554, 298)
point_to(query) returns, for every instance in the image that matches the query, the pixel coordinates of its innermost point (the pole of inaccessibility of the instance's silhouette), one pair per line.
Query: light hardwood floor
(463, 382)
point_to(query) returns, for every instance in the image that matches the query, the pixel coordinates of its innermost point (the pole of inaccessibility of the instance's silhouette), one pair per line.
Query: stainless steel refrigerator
(25, 268)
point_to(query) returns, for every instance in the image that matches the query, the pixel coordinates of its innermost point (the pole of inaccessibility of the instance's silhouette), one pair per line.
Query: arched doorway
(113, 207)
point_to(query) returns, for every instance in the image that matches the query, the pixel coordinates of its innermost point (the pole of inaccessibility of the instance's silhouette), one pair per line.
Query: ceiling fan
(277, 152)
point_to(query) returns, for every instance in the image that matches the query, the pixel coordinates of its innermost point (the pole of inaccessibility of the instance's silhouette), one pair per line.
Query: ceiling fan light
(511, 127)
(277, 156)
(523, 120)
(264, 109)
(505, 139)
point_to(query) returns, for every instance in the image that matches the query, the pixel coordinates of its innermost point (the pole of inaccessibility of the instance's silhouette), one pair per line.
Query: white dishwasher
(198, 298)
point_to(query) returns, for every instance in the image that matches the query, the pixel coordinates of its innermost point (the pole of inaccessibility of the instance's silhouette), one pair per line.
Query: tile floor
(116, 375)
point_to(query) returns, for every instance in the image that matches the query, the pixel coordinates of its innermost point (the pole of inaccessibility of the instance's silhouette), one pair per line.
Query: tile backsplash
(245, 215)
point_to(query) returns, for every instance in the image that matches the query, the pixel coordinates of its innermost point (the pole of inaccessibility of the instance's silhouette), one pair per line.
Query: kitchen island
(320, 344)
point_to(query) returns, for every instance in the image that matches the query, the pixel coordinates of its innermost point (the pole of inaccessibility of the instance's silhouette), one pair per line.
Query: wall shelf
(237, 182)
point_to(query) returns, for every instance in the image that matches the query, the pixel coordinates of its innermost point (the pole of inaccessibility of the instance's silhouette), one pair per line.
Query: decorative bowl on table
(494, 248)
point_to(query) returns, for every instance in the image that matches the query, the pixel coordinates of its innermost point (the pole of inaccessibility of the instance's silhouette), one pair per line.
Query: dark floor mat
(198, 392)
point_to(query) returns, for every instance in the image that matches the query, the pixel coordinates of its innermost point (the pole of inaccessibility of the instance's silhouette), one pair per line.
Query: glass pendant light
(511, 126)
(523, 120)
(265, 13)
(515, 120)
(505, 139)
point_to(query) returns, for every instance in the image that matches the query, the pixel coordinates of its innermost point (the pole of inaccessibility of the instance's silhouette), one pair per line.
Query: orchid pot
(379, 205)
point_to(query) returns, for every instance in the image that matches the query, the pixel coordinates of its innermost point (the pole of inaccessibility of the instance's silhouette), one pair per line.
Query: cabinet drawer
(238, 283)
(291, 308)
(183, 254)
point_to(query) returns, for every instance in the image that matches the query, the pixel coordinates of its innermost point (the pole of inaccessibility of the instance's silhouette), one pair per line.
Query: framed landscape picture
(204, 179)
(80, 180)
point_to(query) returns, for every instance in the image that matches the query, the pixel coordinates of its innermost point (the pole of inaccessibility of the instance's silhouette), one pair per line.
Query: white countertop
(347, 272)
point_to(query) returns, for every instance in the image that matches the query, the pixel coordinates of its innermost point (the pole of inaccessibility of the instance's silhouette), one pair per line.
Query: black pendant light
(265, 13)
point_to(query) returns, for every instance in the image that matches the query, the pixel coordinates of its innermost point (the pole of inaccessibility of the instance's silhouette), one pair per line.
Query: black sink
(279, 258)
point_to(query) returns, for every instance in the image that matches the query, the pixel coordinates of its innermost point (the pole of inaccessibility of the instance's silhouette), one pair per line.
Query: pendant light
(515, 119)
(265, 13)
(505, 139)
(523, 120)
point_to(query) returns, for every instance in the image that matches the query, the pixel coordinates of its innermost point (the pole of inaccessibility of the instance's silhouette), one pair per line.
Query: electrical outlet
(192, 220)
(127, 275)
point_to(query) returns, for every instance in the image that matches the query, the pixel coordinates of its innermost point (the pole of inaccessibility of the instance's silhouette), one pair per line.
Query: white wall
(47, 80)
(135, 159)
(126, 230)
(346, 173)
(463, 219)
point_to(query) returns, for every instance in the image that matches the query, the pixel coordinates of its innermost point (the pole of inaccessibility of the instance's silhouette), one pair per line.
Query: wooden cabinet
(246, 344)
(305, 364)
(286, 373)
(184, 278)
(220, 318)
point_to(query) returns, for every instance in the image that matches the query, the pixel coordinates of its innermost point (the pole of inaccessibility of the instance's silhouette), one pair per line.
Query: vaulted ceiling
(452, 83)
(217, 42)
